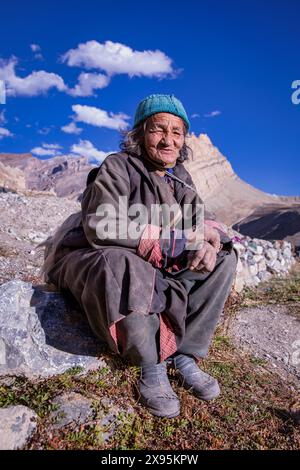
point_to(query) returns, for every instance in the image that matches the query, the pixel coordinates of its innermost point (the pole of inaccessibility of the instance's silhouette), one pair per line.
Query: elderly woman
(145, 292)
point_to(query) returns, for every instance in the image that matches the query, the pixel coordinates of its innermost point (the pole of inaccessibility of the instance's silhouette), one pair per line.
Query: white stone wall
(259, 260)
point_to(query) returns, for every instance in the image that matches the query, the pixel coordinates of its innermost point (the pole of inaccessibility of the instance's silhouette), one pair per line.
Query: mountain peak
(224, 193)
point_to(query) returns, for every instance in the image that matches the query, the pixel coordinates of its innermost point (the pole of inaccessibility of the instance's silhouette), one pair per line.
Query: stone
(286, 244)
(275, 266)
(262, 265)
(71, 407)
(17, 424)
(74, 408)
(271, 254)
(255, 280)
(239, 247)
(238, 284)
(258, 258)
(239, 266)
(264, 276)
(266, 244)
(252, 247)
(270, 263)
(259, 250)
(37, 237)
(244, 255)
(253, 269)
(287, 253)
(42, 333)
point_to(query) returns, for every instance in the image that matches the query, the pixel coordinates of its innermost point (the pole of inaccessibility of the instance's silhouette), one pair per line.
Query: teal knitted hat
(160, 104)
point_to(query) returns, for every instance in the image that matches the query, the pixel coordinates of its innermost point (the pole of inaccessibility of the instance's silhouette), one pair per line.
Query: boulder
(264, 276)
(42, 333)
(17, 424)
(271, 254)
(71, 407)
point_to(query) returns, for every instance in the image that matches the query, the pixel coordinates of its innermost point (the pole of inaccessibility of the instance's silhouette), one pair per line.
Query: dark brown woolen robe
(106, 276)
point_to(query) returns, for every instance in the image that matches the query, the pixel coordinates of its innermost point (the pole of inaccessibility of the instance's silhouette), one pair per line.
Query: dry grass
(255, 410)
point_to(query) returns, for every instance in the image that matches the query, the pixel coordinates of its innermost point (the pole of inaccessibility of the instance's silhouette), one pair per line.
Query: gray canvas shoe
(203, 385)
(156, 392)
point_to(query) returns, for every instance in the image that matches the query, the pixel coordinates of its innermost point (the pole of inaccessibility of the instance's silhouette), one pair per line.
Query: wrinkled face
(164, 137)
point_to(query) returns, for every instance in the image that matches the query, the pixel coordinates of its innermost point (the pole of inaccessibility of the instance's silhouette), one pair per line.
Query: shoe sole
(164, 416)
(155, 413)
(199, 395)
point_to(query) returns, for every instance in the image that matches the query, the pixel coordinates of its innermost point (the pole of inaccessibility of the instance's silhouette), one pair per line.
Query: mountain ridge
(224, 193)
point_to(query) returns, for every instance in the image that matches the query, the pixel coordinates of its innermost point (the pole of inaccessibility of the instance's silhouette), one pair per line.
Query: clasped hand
(205, 258)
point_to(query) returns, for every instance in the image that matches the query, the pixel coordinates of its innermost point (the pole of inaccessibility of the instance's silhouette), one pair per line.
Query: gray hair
(132, 142)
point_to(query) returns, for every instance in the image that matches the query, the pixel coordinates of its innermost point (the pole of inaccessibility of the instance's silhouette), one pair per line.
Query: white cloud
(44, 130)
(35, 47)
(5, 133)
(71, 128)
(2, 117)
(86, 148)
(37, 51)
(2, 92)
(34, 84)
(41, 152)
(195, 115)
(52, 146)
(38, 56)
(116, 58)
(113, 58)
(39, 82)
(87, 83)
(47, 150)
(213, 114)
(99, 118)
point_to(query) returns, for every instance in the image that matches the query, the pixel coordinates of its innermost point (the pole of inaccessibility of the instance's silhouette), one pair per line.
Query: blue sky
(75, 71)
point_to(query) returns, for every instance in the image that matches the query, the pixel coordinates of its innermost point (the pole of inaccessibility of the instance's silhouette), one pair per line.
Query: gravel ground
(25, 221)
(272, 333)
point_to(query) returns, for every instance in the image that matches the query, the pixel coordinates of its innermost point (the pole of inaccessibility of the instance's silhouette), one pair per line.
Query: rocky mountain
(224, 193)
(251, 211)
(11, 178)
(231, 199)
(63, 175)
(273, 223)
